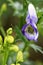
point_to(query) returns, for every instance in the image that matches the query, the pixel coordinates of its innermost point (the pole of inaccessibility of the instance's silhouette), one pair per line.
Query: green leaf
(36, 48)
(20, 35)
(40, 12)
(40, 26)
(28, 62)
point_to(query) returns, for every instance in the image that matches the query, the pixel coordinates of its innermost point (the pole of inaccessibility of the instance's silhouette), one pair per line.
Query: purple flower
(30, 36)
(31, 20)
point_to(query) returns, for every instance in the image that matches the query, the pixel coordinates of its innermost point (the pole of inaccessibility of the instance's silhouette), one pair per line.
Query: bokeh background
(16, 13)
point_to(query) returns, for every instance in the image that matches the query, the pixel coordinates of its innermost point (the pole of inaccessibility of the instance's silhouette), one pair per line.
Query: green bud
(12, 64)
(14, 48)
(1, 48)
(5, 64)
(9, 31)
(9, 39)
(20, 56)
(1, 40)
(17, 64)
(4, 7)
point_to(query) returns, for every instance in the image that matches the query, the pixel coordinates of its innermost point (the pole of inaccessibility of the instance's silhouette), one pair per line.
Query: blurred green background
(12, 18)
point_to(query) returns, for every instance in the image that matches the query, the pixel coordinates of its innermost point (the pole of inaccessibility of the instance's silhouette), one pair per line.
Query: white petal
(31, 10)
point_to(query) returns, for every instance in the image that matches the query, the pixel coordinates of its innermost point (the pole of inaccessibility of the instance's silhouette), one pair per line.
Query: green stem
(1, 27)
(5, 57)
(2, 31)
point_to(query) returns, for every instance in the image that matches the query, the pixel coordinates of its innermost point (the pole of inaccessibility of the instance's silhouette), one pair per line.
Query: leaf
(36, 48)
(27, 62)
(39, 12)
(40, 26)
(20, 35)
(18, 8)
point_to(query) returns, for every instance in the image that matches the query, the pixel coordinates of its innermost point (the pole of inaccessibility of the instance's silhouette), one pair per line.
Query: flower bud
(9, 39)
(4, 7)
(5, 64)
(14, 48)
(9, 31)
(12, 64)
(1, 48)
(17, 64)
(1, 40)
(20, 56)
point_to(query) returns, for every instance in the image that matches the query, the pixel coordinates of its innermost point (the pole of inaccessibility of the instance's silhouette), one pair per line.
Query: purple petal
(23, 28)
(32, 18)
(28, 19)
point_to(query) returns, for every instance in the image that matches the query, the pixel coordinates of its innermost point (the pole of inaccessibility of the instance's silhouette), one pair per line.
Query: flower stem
(2, 31)
(5, 57)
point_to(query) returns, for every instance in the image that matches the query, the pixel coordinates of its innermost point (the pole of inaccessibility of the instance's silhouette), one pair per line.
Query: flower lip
(28, 35)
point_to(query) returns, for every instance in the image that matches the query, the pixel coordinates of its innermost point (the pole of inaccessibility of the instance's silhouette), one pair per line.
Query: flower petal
(32, 12)
(30, 36)
(28, 19)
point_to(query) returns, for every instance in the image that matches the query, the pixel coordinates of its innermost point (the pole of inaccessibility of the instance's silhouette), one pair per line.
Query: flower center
(29, 29)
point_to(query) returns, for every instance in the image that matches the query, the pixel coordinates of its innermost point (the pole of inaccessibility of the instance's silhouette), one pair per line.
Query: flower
(31, 21)
(14, 48)
(17, 64)
(9, 31)
(20, 56)
(9, 39)
(30, 36)
(31, 15)
(12, 64)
